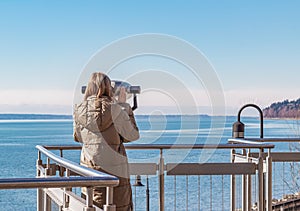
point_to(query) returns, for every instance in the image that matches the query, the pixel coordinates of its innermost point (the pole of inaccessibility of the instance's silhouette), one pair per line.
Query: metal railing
(216, 168)
(275, 158)
(164, 170)
(55, 176)
(59, 188)
(67, 168)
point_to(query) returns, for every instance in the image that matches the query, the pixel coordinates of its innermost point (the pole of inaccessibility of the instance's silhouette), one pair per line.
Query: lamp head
(238, 129)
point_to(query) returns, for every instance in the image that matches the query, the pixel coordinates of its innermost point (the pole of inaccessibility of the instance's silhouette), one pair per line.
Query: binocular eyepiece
(116, 85)
(129, 89)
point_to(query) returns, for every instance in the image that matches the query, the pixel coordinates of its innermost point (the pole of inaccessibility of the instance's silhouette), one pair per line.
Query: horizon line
(71, 116)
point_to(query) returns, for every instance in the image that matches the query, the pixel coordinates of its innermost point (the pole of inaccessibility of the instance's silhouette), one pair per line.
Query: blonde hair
(99, 85)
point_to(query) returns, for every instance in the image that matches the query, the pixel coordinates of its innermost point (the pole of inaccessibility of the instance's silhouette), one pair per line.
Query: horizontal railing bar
(270, 140)
(55, 182)
(276, 139)
(198, 146)
(243, 158)
(251, 145)
(63, 147)
(210, 168)
(238, 141)
(281, 156)
(81, 170)
(239, 156)
(143, 168)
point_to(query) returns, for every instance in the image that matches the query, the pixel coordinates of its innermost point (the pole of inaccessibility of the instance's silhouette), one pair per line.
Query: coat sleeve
(76, 127)
(76, 133)
(124, 122)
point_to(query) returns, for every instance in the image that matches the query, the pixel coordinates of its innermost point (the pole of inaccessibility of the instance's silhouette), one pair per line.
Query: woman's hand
(122, 95)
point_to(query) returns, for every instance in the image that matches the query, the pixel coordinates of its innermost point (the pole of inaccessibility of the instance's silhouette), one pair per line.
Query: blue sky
(253, 45)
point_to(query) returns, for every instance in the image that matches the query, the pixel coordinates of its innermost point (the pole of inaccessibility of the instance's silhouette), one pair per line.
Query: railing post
(61, 169)
(269, 182)
(232, 181)
(47, 202)
(244, 188)
(47, 199)
(66, 198)
(249, 185)
(161, 181)
(39, 194)
(260, 202)
(89, 200)
(109, 206)
(38, 163)
(40, 199)
(48, 170)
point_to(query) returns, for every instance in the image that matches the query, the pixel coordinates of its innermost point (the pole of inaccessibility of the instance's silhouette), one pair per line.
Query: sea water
(18, 155)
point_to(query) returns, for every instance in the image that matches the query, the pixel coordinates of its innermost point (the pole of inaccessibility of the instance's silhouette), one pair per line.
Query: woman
(102, 125)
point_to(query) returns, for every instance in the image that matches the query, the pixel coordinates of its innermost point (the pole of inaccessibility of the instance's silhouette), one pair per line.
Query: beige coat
(102, 127)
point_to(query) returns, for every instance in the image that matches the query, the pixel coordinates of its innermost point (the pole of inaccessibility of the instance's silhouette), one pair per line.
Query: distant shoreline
(281, 118)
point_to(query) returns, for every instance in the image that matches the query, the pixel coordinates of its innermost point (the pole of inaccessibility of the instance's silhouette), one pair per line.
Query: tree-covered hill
(285, 109)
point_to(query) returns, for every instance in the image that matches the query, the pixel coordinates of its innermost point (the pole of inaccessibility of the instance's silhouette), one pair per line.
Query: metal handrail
(103, 179)
(264, 140)
(250, 145)
(91, 177)
(74, 167)
(198, 146)
(55, 182)
(248, 141)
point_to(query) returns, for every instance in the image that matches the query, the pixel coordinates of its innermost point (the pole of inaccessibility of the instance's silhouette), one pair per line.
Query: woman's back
(102, 126)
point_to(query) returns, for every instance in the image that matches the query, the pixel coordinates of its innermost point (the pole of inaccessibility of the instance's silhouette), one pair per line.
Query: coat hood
(94, 114)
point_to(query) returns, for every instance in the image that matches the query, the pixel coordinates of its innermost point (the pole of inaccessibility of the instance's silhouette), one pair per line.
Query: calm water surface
(18, 156)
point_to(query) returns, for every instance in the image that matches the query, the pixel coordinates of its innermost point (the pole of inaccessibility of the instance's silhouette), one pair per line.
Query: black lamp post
(138, 183)
(238, 128)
